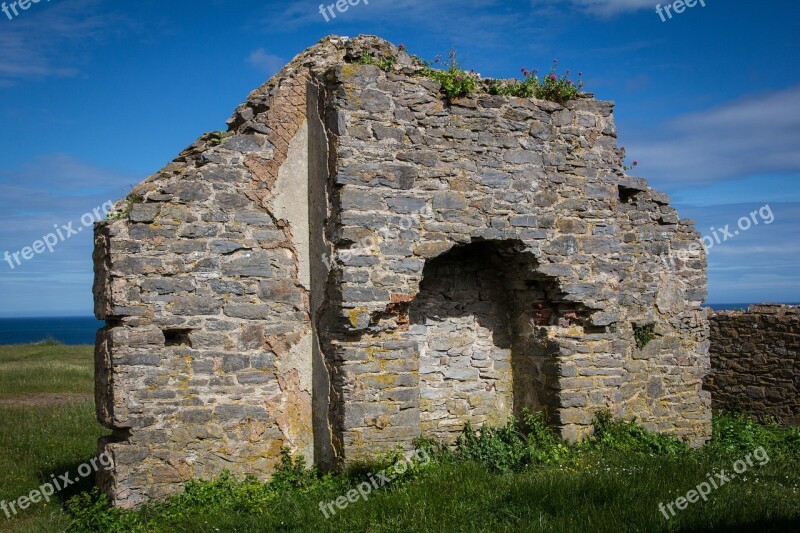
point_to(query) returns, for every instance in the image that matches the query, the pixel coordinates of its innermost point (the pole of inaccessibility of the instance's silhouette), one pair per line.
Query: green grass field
(506, 481)
(47, 426)
(45, 368)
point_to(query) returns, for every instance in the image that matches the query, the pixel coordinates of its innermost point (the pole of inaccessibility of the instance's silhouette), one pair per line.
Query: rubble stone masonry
(359, 260)
(755, 359)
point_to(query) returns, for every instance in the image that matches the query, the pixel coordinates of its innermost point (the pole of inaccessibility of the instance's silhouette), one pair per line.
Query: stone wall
(542, 182)
(207, 359)
(359, 260)
(755, 360)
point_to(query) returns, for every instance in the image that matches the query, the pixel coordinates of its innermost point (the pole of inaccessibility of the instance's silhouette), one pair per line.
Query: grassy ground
(47, 426)
(45, 368)
(614, 484)
(619, 495)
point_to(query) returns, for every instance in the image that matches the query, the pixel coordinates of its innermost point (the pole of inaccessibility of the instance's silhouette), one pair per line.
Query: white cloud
(758, 264)
(48, 191)
(263, 61)
(753, 136)
(751, 268)
(34, 45)
(477, 20)
(762, 282)
(51, 190)
(59, 176)
(608, 8)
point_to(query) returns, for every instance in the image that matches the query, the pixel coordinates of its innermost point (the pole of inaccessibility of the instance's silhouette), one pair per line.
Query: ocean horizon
(66, 330)
(82, 330)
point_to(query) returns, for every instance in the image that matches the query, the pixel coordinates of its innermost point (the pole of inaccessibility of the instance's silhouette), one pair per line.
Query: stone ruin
(359, 260)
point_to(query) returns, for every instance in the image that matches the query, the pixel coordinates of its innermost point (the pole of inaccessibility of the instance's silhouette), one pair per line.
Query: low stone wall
(755, 359)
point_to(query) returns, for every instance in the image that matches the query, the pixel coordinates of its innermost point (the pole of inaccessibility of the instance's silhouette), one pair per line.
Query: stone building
(359, 260)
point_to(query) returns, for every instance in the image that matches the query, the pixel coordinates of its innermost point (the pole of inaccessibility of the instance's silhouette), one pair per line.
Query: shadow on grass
(78, 484)
(778, 525)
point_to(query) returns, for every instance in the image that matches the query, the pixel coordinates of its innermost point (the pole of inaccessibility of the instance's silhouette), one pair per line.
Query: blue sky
(96, 95)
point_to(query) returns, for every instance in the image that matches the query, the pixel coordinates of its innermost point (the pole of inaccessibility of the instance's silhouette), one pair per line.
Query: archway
(483, 354)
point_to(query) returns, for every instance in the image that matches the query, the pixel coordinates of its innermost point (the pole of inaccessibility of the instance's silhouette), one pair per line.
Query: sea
(743, 307)
(66, 330)
(81, 330)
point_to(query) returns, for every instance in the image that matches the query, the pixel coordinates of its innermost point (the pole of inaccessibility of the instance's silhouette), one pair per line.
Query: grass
(516, 478)
(40, 437)
(611, 494)
(46, 367)
(38, 441)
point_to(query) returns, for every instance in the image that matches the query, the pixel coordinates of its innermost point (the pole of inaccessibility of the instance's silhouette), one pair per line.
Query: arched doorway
(482, 353)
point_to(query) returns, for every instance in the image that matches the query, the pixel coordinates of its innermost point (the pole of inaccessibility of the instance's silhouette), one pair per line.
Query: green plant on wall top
(456, 82)
(386, 64)
(217, 137)
(130, 201)
(552, 87)
(559, 88)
